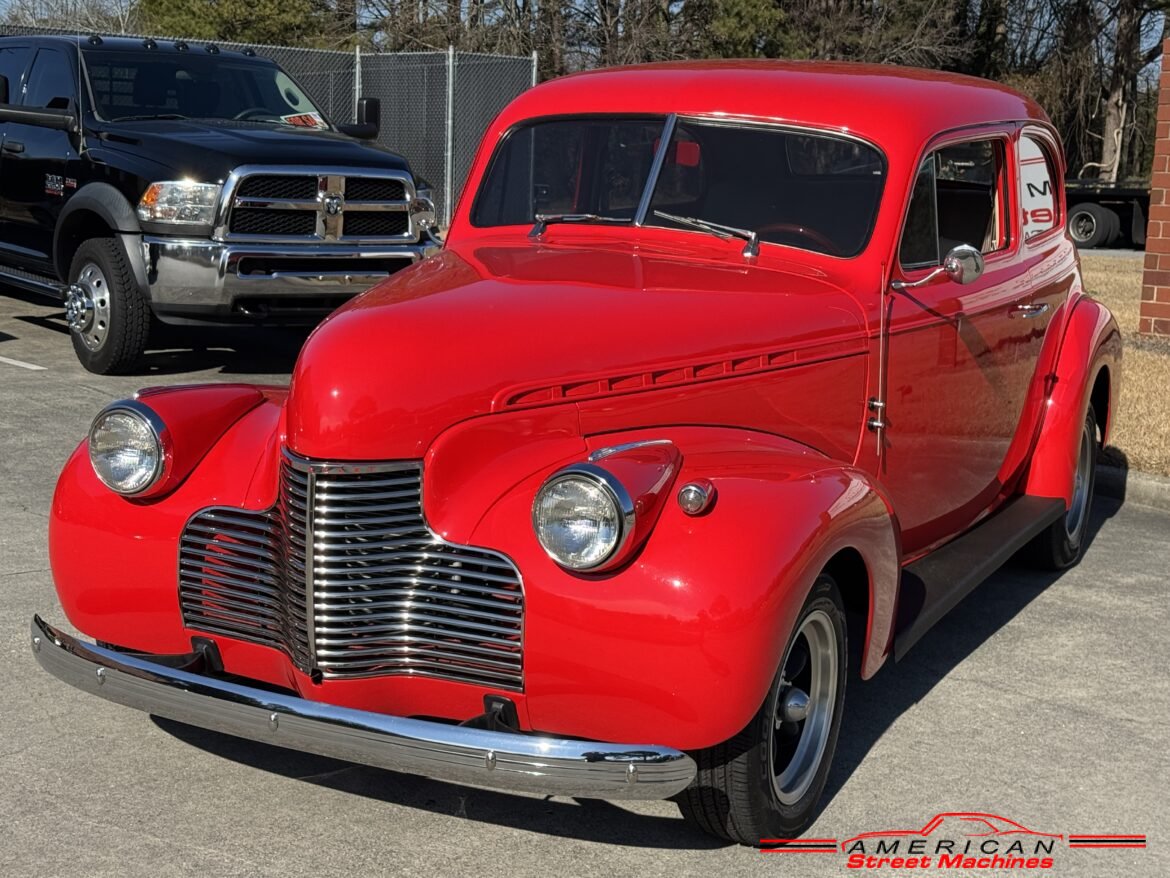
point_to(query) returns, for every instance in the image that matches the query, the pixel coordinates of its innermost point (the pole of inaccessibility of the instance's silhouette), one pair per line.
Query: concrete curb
(1131, 486)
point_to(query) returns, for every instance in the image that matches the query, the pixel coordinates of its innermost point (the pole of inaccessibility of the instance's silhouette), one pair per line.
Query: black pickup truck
(143, 180)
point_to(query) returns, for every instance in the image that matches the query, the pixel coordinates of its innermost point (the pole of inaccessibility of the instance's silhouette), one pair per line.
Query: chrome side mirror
(963, 264)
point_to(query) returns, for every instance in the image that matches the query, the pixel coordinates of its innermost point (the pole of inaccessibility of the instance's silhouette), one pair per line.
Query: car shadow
(872, 707)
(233, 350)
(578, 819)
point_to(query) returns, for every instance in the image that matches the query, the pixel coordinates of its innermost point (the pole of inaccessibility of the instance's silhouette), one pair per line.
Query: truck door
(41, 165)
(13, 62)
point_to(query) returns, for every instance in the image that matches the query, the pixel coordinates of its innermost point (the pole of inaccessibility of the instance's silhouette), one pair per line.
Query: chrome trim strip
(655, 169)
(602, 453)
(552, 766)
(310, 567)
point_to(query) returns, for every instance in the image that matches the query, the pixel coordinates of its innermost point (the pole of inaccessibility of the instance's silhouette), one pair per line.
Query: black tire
(1091, 225)
(1062, 544)
(110, 319)
(735, 795)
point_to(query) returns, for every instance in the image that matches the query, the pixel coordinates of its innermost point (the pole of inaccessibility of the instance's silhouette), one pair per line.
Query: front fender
(1091, 343)
(114, 559)
(681, 644)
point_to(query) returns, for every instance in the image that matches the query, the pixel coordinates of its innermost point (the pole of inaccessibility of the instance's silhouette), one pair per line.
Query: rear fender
(684, 639)
(1092, 343)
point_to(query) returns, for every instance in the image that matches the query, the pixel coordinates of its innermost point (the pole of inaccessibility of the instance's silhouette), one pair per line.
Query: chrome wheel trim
(1083, 226)
(808, 687)
(87, 306)
(1078, 509)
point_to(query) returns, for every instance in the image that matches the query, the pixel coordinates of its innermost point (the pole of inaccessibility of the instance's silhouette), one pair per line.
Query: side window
(51, 83)
(959, 198)
(13, 60)
(1038, 195)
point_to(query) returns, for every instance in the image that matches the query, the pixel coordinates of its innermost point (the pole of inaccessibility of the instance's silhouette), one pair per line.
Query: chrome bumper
(552, 766)
(201, 275)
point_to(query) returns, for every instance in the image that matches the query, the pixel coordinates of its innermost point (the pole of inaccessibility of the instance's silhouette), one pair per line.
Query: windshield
(790, 186)
(148, 84)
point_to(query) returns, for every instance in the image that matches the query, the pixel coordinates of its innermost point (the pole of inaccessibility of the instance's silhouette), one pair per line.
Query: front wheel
(108, 316)
(1063, 543)
(767, 780)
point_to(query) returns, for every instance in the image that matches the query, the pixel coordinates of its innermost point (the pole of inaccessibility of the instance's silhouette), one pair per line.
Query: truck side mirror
(3, 89)
(369, 112)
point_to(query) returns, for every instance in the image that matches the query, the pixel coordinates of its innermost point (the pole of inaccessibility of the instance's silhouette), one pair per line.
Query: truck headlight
(583, 516)
(128, 447)
(181, 202)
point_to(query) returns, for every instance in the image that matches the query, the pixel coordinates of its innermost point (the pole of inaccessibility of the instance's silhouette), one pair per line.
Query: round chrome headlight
(126, 447)
(582, 516)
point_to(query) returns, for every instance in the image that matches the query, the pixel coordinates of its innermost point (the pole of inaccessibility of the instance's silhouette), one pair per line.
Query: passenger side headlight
(583, 516)
(181, 202)
(129, 447)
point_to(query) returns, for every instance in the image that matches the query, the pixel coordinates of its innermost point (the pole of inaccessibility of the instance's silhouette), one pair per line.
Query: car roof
(125, 44)
(878, 102)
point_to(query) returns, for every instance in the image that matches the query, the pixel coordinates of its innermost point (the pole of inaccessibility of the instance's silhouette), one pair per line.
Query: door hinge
(878, 421)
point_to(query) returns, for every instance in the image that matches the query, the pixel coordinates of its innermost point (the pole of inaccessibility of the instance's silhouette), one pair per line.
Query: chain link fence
(435, 105)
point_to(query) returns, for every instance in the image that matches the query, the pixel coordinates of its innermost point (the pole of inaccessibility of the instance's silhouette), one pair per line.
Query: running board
(932, 586)
(37, 283)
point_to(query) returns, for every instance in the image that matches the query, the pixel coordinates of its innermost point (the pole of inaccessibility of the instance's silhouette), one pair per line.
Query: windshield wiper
(151, 116)
(545, 219)
(752, 248)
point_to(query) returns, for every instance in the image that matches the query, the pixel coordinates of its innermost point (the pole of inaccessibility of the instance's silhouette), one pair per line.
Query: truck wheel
(1091, 225)
(1063, 543)
(108, 316)
(766, 781)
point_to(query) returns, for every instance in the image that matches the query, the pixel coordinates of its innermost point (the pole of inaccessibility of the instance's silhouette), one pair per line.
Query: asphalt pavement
(1044, 699)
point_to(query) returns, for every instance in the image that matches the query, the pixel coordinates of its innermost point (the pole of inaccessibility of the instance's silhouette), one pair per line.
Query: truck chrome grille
(385, 595)
(276, 204)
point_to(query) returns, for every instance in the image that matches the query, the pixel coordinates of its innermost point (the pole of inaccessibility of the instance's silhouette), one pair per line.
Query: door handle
(13, 146)
(1032, 309)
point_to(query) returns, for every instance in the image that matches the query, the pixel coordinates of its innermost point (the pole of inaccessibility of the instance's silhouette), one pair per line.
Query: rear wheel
(767, 780)
(1091, 225)
(109, 317)
(1063, 543)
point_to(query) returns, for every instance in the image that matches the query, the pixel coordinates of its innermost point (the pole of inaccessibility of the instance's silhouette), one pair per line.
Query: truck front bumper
(508, 761)
(204, 280)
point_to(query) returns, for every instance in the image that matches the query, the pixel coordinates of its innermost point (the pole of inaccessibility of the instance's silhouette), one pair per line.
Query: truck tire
(766, 782)
(109, 317)
(1091, 225)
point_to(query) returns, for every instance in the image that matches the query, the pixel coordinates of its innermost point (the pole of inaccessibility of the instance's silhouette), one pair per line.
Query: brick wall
(1155, 311)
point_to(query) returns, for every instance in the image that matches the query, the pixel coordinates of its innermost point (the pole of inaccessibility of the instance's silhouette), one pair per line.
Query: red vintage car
(730, 381)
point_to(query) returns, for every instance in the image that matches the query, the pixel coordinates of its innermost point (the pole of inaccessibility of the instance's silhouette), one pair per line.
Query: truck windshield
(792, 186)
(151, 85)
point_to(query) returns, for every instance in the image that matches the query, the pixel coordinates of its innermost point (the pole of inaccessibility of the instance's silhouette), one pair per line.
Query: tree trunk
(1127, 57)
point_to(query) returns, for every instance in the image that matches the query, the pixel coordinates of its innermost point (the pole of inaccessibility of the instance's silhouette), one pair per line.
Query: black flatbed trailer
(1102, 214)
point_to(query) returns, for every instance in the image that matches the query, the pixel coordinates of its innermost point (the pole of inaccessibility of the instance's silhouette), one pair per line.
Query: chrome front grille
(383, 596)
(336, 205)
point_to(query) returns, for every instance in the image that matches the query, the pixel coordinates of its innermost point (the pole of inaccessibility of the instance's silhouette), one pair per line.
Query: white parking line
(32, 367)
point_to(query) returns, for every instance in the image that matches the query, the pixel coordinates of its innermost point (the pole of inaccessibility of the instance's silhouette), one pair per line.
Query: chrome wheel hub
(804, 707)
(87, 306)
(1083, 226)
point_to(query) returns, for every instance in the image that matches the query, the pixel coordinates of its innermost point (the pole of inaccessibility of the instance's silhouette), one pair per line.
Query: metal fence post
(357, 78)
(449, 167)
(535, 62)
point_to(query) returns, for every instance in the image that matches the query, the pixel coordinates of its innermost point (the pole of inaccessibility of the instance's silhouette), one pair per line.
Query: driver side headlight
(129, 447)
(180, 202)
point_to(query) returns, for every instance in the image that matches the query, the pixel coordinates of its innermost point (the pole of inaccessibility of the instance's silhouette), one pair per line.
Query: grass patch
(1141, 436)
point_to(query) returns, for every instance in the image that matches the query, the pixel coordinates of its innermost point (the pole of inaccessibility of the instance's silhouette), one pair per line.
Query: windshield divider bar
(655, 169)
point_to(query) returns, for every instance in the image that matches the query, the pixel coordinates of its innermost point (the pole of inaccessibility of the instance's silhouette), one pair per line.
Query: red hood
(437, 343)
